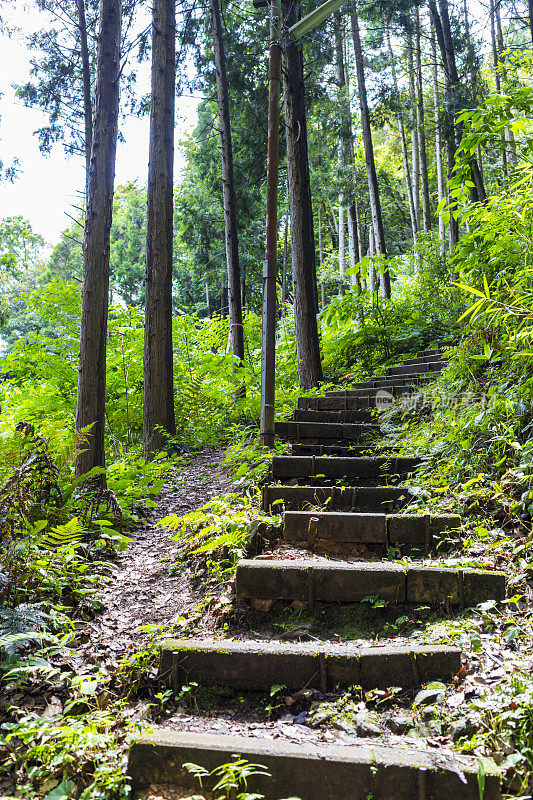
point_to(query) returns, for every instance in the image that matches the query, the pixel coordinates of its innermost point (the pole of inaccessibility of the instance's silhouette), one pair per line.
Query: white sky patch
(49, 187)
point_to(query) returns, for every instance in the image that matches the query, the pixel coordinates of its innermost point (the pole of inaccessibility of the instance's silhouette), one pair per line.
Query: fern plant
(20, 626)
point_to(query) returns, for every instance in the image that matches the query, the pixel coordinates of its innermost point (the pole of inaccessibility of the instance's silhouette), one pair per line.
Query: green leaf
(61, 792)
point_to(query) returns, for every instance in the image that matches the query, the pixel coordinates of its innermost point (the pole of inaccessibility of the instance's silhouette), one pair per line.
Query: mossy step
(431, 355)
(351, 416)
(341, 450)
(357, 771)
(258, 665)
(417, 369)
(372, 467)
(387, 382)
(366, 401)
(326, 430)
(335, 498)
(418, 532)
(341, 582)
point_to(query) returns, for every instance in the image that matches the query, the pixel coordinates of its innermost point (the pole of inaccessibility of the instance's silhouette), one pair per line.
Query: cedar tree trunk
(301, 212)
(90, 401)
(158, 406)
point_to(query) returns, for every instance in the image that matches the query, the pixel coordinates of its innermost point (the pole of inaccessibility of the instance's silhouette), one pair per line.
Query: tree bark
(530, 15)
(228, 187)
(341, 145)
(403, 144)
(373, 188)
(90, 401)
(87, 99)
(158, 406)
(438, 136)
(420, 122)
(302, 235)
(321, 258)
(285, 259)
(415, 147)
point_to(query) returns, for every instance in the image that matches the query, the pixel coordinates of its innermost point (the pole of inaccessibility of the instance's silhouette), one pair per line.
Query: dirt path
(141, 590)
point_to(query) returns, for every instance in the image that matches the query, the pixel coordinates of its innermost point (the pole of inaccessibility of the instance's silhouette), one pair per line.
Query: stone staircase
(343, 519)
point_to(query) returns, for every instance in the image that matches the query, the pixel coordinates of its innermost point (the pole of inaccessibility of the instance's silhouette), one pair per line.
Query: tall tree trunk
(420, 122)
(341, 144)
(90, 401)
(353, 246)
(371, 268)
(352, 222)
(450, 70)
(208, 304)
(403, 144)
(415, 146)
(438, 136)
(373, 189)
(321, 258)
(302, 235)
(228, 187)
(285, 259)
(87, 100)
(530, 15)
(158, 406)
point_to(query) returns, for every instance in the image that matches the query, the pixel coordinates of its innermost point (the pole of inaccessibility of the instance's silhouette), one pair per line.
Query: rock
(344, 726)
(320, 717)
(464, 728)
(433, 728)
(428, 712)
(398, 723)
(428, 696)
(365, 726)
(301, 719)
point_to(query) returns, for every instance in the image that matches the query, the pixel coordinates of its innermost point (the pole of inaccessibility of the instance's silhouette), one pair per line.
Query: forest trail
(329, 592)
(141, 589)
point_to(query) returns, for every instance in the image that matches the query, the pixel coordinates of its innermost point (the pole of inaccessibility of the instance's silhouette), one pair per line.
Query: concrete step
(343, 417)
(330, 431)
(341, 582)
(335, 467)
(418, 369)
(258, 665)
(335, 498)
(434, 355)
(395, 384)
(418, 533)
(436, 351)
(364, 402)
(357, 771)
(343, 451)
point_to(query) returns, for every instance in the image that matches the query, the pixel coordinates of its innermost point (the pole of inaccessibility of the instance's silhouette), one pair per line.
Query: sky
(48, 187)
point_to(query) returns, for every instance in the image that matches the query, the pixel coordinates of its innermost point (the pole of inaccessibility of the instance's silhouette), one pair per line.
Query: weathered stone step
(436, 351)
(368, 401)
(259, 665)
(389, 383)
(336, 498)
(314, 772)
(433, 355)
(417, 369)
(341, 582)
(352, 416)
(341, 450)
(373, 468)
(337, 403)
(418, 532)
(334, 431)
